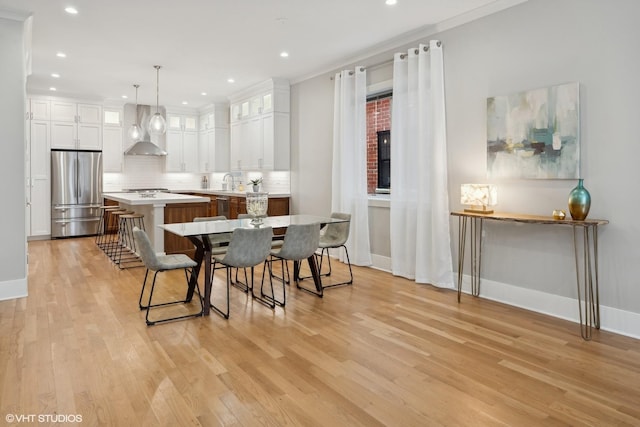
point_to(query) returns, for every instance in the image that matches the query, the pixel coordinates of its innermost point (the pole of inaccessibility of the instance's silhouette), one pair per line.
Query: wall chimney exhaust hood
(144, 147)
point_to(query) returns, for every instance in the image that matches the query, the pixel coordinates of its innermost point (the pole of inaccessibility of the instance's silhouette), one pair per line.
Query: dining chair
(216, 240)
(247, 248)
(333, 236)
(300, 243)
(158, 264)
(219, 243)
(275, 243)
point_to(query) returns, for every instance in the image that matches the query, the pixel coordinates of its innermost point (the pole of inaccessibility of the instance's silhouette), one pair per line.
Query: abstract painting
(534, 134)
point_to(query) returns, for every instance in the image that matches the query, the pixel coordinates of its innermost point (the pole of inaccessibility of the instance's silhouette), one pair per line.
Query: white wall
(311, 146)
(535, 44)
(13, 272)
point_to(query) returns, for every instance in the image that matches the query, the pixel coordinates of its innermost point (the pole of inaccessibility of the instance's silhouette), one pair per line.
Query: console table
(585, 245)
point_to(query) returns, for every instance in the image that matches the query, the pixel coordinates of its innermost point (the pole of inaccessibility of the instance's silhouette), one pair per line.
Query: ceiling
(110, 45)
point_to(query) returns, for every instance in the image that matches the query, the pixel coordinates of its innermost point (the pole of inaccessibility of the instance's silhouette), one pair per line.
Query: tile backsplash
(148, 172)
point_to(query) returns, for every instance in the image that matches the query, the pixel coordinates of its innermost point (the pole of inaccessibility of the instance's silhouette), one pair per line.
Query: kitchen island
(232, 203)
(163, 208)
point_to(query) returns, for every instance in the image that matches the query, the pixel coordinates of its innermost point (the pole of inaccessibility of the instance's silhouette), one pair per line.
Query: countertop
(159, 198)
(226, 193)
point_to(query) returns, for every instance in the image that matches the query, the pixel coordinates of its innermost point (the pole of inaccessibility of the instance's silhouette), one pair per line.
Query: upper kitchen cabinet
(207, 120)
(183, 122)
(112, 116)
(76, 126)
(213, 154)
(260, 127)
(112, 139)
(182, 142)
(40, 109)
(213, 141)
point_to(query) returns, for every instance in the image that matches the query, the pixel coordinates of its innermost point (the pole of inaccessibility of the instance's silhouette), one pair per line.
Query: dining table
(197, 233)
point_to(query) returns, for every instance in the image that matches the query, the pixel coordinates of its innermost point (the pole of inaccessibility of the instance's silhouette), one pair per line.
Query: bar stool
(109, 226)
(126, 241)
(111, 249)
(105, 219)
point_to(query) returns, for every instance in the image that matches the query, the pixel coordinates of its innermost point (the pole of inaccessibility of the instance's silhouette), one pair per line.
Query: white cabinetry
(38, 150)
(213, 141)
(76, 126)
(260, 127)
(214, 150)
(182, 143)
(112, 140)
(183, 122)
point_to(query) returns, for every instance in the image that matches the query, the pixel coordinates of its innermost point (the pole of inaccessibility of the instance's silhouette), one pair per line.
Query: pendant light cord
(157, 67)
(136, 86)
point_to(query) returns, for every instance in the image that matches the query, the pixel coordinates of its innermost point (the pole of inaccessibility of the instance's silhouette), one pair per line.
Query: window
(384, 159)
(379, 143)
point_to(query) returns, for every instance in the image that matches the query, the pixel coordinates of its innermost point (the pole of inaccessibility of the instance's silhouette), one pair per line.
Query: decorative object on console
(257, 204)
(256, 184)
(559, 214)
(579, 202)
(534, 134)
(135, 133)
(479, 196)
(157, 123)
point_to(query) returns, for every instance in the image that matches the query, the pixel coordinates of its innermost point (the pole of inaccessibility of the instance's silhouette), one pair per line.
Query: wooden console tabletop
(531, 219)
(585, 244)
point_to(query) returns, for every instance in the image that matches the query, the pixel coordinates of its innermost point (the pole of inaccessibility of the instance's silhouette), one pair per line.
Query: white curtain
(349, 174)
(420, 241)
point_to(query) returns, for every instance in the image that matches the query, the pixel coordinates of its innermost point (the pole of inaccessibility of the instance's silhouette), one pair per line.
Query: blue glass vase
(579, 202)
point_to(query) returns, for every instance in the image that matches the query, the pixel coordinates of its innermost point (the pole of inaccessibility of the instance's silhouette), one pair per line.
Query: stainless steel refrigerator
(76, 192)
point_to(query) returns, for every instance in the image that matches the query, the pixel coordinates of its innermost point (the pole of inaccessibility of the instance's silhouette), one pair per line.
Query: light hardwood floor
(382, 352)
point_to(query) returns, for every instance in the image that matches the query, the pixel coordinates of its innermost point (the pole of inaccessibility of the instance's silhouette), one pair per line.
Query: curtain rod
(389, 61)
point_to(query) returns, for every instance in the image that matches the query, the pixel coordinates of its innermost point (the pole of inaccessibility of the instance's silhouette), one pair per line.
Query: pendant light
(135, 132)
(157, 124)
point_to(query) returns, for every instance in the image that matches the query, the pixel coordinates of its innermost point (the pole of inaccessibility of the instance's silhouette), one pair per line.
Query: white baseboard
(611, 319)
(381, 262)
(12, 289)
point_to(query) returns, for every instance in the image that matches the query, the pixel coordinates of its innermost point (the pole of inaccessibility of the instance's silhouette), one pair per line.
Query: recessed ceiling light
(61, 55)
(71, 10)
(390, 2)
(204, 94)
(185, 103)
(125, 97)
(55, 75)
(230, 80)
(284, 54)
(53, 89)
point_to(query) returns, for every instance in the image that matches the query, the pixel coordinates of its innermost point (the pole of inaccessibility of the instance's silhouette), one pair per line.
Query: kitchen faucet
(233, 182)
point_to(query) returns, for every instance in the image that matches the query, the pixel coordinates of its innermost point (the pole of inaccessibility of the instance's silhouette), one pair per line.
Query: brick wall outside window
(375, 123)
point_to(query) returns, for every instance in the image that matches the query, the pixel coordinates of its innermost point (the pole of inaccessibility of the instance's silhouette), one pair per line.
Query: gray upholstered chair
(248, 247)
(220, 240)
(333, 236)
(157, 264)
(300, 242)
(275, 243)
